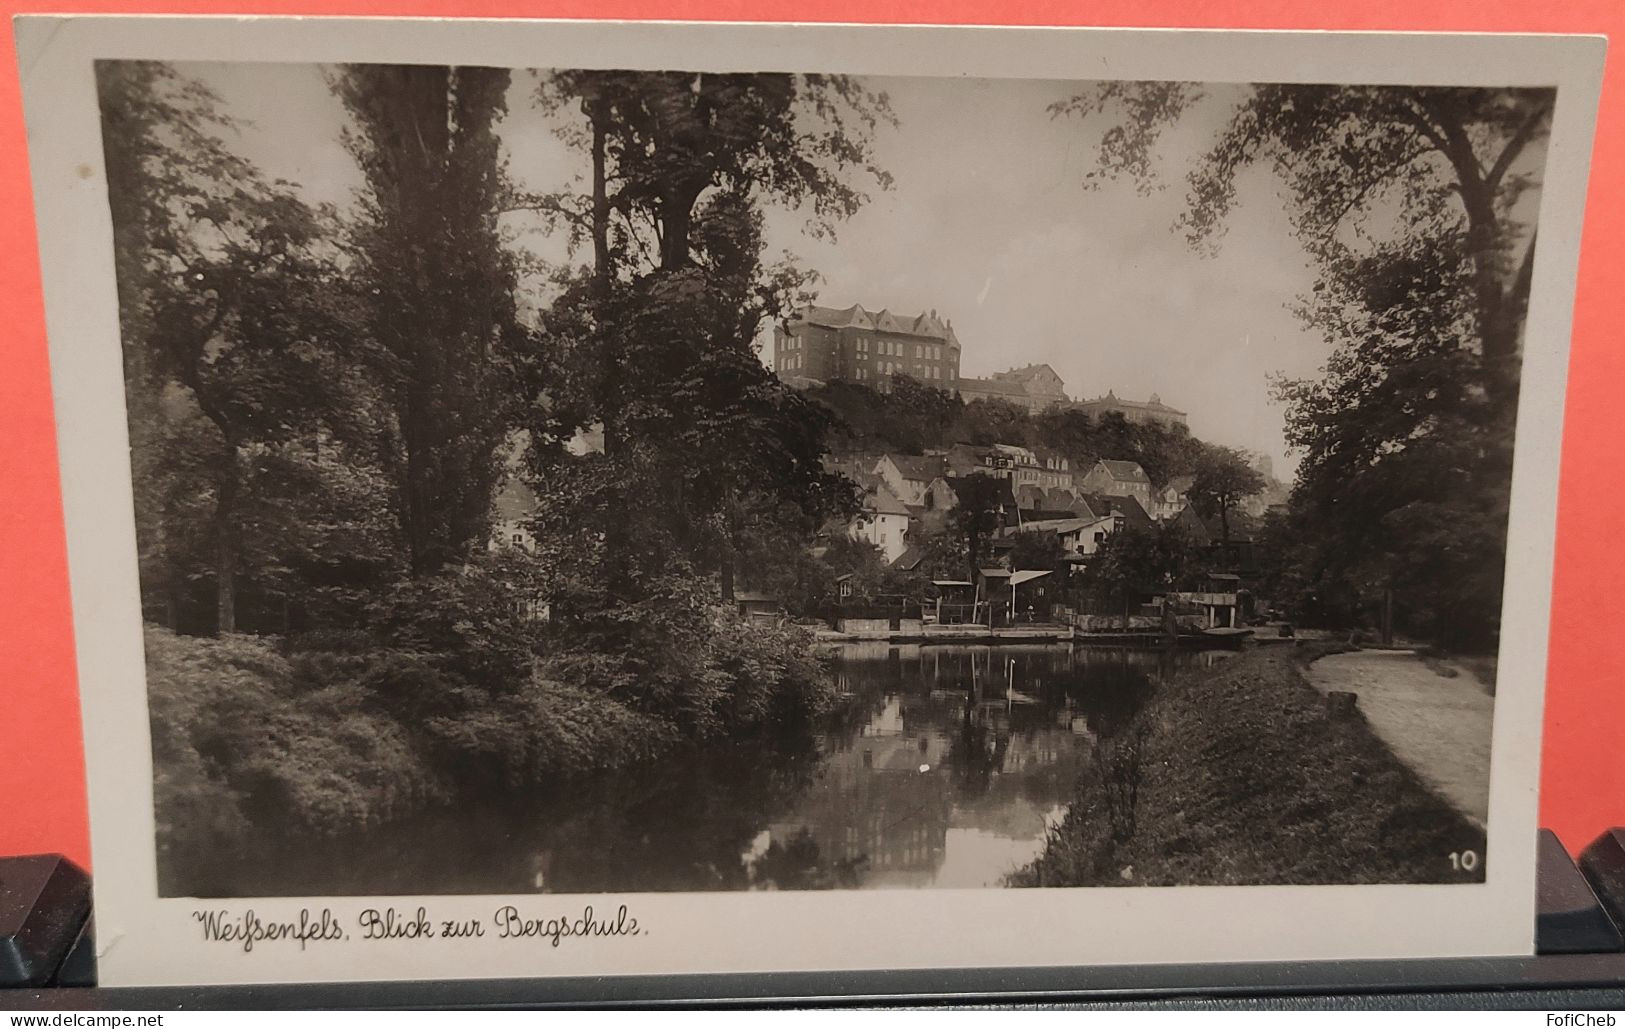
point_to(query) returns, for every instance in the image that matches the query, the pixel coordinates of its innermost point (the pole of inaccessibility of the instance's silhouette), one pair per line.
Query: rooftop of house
(910, 558)
(881, 500)
(998, 387)
(515, 500)
(925, 324)
(1128, 507)
(919, 468)
(1029, 373)
(1125, 471)
(1113, 400)
(1056, 525)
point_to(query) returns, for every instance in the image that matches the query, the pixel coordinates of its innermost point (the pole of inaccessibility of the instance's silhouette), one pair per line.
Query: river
(943, 767)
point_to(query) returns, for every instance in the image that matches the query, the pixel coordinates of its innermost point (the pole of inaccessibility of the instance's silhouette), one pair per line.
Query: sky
(988, 222)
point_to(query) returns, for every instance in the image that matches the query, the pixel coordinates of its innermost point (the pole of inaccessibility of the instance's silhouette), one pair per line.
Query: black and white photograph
(622, 481)
(791, 481)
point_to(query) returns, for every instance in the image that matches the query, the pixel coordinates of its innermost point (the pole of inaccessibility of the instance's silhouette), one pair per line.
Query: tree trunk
(600, 198)
(677, 223)
(225, 537)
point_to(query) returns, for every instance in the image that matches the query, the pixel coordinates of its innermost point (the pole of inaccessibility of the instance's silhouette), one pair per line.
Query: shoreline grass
(1237, 775)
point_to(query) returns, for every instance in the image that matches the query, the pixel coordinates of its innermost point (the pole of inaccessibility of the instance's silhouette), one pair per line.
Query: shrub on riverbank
(345, 732)
(1235, 775)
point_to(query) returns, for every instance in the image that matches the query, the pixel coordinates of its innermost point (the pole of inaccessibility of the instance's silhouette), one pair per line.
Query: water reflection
(942, 767)
(950, 762)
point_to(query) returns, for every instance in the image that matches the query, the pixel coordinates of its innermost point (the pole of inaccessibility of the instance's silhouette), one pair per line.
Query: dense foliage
(324, 411)
(1413, 204)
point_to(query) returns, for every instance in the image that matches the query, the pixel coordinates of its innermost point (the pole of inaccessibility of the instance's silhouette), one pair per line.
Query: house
(1024, 466)
(939, 496)
(1221, 600)
(1058, 498)
(1126, 509)
(1171, 498)
(851, 463)
(1014, 596)
(1080, 536)
(824, 344)
(1137, 412)
(1055, 469)
(910, 476)
(965, 459)
(1011, 392)
(1044, 388)
(910, 559)
(1030, 497)
(1189, 522)
(1119, 479)
(514, 505)
(883, 521)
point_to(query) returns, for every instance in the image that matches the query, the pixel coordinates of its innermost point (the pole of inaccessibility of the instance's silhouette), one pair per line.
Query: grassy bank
(253, 732)
(1235, 775)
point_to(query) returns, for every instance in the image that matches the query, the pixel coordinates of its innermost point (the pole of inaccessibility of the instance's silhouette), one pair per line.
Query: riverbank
(1237, 775)
(251, 732)
(1434, 717)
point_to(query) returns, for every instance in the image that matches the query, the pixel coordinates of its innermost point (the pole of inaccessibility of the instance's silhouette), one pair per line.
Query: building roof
(1057, 525)
(910, 558)
(918, 468)
(1128, 507)
(1180, 483)
(926, 324)
(881, 500)
(1026, 373)
(1125, 471)
(1113, 400)
(1017, 578)
(995, 387)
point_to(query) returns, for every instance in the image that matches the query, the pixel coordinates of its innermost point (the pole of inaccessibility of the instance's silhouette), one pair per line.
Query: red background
(42, 799)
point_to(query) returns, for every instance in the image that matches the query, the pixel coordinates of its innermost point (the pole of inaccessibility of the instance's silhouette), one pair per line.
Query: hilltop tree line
(914, 417)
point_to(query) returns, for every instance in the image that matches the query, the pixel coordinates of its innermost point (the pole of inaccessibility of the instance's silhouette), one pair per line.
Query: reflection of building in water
(946, 761)
(877, 811)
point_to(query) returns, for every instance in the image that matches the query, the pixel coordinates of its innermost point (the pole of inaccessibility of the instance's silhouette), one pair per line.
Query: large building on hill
(827, 343)
(1035, 387)
(1139, 412)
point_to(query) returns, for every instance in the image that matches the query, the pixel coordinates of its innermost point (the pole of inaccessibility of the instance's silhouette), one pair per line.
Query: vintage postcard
(556, 498)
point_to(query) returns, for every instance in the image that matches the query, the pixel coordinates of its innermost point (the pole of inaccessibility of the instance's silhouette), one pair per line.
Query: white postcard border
(143, 939)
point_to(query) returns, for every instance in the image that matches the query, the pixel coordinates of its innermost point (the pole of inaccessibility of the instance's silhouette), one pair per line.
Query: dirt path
(1438, 726)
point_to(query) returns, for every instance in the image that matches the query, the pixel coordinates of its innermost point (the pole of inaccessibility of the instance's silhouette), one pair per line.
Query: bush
(238, 737)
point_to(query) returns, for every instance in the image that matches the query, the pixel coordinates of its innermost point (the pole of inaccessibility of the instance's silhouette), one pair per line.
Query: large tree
(1425, 159)
(228, 319)
(1223, 479)
(1416, 206)
(660, 332)
(447, 345)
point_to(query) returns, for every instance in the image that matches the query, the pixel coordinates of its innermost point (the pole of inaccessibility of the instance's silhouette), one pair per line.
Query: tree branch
(1514, 147)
